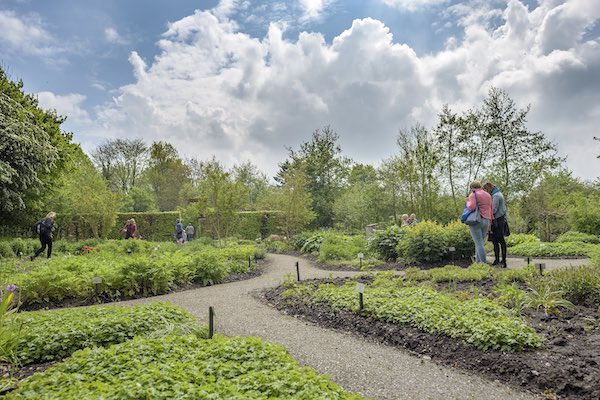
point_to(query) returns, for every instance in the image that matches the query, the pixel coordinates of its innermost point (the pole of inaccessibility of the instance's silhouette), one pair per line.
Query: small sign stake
(298, 270)
(541, 266)
(211, 322)
(360, 288)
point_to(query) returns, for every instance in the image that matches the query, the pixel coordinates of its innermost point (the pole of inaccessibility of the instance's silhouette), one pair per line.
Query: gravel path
(550, 263)
(374, 370)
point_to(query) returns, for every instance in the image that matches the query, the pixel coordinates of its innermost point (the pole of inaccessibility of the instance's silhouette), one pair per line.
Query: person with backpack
(179, 231)
(44, 229)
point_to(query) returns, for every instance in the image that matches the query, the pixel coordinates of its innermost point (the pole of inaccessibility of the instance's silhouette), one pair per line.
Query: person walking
(189, 231)
(44, 229)
(179, 231)
(499, 225)
(482, 199)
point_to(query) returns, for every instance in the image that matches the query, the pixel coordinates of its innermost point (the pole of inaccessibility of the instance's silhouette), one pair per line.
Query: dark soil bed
(568, 367)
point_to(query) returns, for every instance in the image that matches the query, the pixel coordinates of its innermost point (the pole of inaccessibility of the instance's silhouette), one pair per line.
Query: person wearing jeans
(482, 199)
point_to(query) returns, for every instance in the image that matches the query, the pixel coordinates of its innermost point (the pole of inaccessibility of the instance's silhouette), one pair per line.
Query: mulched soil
(568, 368)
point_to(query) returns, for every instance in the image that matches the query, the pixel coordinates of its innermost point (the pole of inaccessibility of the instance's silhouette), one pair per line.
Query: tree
(166, 175)
(34, 152)
(220, 199)
(518, 157)
(121, 162)
(362, 201)
(254, 181)
(416, 166)
(324, 169)
(293, 200)
(82, 193)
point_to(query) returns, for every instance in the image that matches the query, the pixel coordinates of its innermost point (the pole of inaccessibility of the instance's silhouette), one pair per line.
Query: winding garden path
(372, 369)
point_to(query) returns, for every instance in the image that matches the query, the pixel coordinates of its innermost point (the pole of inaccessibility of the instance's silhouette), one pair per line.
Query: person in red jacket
(481, 198)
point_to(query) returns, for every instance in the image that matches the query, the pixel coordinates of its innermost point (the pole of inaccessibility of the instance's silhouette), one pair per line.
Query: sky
(245, 80)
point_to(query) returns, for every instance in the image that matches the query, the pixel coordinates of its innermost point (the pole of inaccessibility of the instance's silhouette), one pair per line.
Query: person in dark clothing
(499, 227)
(44, 230)
(179, 232)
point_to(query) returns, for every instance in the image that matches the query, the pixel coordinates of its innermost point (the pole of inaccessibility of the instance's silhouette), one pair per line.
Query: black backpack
(40, 228)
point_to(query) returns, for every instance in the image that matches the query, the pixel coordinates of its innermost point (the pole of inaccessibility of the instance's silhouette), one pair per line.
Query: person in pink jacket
(479, 231)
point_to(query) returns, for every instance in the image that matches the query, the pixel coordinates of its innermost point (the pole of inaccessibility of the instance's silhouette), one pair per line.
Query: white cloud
(312, 8)
(413, 5)
(26, 34)
(112, 36)
(215, 90)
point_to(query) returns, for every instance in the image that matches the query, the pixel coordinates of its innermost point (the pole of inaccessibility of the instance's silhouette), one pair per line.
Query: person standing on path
(179, 231)
(44, 229)
(189, 231)
(499, 225)
(481, 198)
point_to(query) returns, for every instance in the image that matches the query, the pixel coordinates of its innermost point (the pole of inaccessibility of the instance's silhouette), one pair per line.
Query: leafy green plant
(509, 296)
(574, 236)
(479, 322)
(384, 242)
(547, 249)
(179, 367)
(580, 285)
(543, 297)
(341, 247)
(9, 331)
(312, 244)
(458, 235)
(52, 335)
(424, 242)
(518, 238)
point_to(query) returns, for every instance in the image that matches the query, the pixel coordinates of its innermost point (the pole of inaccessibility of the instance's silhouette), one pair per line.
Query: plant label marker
(129, 250)
(360, 288)
(541, 266)
(298, 270)
(96, 280)
(528, 259)
(211, 322)
(452, 249)
(360, 258)
(249, 262)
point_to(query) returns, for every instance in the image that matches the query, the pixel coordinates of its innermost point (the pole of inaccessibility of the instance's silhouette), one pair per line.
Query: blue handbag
(469, 217)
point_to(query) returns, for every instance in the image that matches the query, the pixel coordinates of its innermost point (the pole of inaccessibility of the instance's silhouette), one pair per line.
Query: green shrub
(150, 269)
(181, 367)
(518, 238)
(424, 242)
(52, 335)
(384, 242)
(574, 236)
(580, 285)
(341, 247)
(458, 235)
(312, 244)
(546, 249)
(299, 240)
(6, 250)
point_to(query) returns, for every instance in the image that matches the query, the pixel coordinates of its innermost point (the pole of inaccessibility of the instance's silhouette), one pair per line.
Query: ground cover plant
(181, 366)
(538, 332)
(55, 334)
(553, 249)
(112, 270)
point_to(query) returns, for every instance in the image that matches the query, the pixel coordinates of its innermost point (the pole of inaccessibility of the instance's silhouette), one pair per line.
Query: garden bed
(567, 367)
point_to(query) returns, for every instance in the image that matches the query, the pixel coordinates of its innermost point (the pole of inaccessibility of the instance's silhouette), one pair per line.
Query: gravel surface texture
(372, 369)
